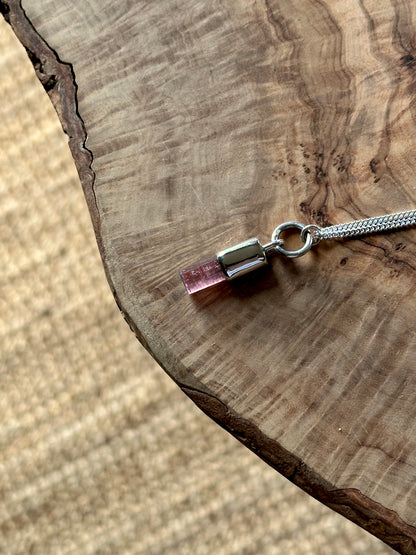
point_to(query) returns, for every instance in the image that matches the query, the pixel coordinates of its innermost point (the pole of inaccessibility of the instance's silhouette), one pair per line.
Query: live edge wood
(197, 125)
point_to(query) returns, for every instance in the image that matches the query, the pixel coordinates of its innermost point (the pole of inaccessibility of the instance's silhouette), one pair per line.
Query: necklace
(245, 257)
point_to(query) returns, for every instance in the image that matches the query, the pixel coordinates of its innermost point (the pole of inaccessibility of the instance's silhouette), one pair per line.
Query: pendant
(240, 259)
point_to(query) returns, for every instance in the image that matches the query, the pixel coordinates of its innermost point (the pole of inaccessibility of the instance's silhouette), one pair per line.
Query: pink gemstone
(202, 275)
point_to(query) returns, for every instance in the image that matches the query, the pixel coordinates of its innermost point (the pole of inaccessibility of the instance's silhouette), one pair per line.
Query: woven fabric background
(100, 452)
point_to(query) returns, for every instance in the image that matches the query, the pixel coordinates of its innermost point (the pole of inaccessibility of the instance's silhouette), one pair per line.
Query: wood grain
(195, 128)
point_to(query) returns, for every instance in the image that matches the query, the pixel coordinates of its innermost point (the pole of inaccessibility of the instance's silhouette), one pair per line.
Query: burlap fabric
(100, 451)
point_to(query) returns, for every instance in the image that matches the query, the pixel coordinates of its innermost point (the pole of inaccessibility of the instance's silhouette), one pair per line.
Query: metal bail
(242, 258)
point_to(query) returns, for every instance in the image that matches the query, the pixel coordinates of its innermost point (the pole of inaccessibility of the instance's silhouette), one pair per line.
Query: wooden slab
(195, 126)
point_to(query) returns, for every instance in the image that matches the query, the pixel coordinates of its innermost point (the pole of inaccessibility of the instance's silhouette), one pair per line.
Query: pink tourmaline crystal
(202, 275)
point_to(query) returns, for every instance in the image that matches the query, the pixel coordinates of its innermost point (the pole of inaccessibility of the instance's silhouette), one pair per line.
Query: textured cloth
(100, 452)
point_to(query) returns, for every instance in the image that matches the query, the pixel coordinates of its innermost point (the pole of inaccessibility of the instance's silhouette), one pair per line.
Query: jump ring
(313, 230)
(308, 239)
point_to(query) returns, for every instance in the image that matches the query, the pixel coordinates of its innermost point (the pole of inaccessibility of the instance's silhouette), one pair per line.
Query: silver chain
(389, 222)
(312, 234)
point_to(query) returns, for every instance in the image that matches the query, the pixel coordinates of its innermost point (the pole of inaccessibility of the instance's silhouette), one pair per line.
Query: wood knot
(408, 61)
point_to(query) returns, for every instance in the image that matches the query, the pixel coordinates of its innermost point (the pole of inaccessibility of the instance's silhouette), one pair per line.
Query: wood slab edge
(351, 503)
(59, 81)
